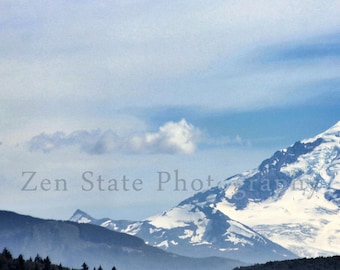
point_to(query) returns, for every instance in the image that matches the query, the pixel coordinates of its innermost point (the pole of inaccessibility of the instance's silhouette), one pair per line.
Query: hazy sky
(137, 93)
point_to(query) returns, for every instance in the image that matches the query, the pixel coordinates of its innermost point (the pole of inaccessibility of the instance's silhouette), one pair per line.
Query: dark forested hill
(72, 244)
(320, 263)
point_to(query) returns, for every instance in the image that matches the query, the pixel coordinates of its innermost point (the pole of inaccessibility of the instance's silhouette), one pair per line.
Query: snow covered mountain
(292, 198)
(197, 231)
(295, 195)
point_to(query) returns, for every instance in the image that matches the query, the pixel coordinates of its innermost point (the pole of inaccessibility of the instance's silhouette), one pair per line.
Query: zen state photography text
(163, 181)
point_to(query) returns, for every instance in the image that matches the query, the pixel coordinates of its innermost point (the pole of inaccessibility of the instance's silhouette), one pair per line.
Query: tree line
(8, 262)
(319, 263)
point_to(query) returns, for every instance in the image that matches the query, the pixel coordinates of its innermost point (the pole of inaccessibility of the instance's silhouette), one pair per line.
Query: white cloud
(171, 138)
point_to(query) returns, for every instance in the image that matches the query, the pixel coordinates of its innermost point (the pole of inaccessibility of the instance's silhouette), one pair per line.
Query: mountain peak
(81, 217)
(334, 130)
(331, 134)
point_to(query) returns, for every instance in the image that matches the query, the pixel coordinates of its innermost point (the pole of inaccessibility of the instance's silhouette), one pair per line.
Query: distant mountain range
(72, 244)
(292, 198)
(195, 231)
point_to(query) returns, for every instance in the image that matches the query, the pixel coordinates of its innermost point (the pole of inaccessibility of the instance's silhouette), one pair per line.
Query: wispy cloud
(171, 138)
(310, 50)
(226, 141)
(126, 51)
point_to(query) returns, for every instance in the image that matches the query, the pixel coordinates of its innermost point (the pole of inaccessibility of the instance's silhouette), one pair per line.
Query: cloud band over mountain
(171, 138)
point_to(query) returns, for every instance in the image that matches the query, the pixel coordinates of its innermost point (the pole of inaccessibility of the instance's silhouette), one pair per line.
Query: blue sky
(136, 88)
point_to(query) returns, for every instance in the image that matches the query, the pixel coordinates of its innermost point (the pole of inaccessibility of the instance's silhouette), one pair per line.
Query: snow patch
(83, 220)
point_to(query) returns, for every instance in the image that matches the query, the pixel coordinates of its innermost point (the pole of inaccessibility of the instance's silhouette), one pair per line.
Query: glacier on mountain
(302, 215)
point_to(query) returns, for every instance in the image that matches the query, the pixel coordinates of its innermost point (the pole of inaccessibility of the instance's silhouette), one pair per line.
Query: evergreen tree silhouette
(84, 266)
(7, 255)
(47, 263)
(21, 263)
(38, 259)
